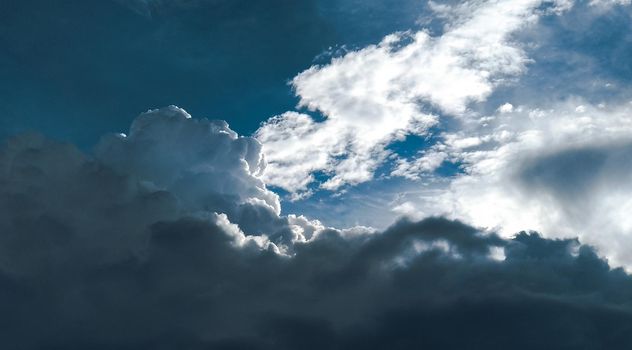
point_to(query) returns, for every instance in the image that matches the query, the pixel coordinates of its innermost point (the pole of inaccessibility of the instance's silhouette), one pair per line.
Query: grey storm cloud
(155, 241)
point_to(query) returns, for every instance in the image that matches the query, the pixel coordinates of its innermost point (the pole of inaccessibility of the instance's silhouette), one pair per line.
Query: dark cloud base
(120, 250)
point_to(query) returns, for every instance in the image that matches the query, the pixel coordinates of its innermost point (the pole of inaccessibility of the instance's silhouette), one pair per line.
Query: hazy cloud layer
(117, 250)
(563, 170)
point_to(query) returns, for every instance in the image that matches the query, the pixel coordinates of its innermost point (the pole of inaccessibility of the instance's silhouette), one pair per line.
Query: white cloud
(561, 169)
(564, 171)
(376, 95)
(506, 108)
(427, 163)
(169, 150)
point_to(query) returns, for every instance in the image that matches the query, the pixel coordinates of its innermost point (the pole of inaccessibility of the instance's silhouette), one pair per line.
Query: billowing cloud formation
(145, 245)
(177, 152)
(170, 165)
(377, 95)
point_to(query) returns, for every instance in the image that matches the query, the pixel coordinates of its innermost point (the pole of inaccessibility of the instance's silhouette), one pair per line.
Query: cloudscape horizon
(441, 175)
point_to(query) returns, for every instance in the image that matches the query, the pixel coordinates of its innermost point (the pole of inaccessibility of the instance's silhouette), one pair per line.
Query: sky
(326, 174)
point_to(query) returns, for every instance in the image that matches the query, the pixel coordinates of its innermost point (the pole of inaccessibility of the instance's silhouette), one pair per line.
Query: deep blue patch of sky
(77, 69)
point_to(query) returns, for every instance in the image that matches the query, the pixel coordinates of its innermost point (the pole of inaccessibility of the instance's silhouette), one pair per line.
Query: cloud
(562, 170)
(564, 64)
(609, 3)
(165, 239)
(548, 154)
(174, 151)
(168, 166)
(379, 94)
(430, 161)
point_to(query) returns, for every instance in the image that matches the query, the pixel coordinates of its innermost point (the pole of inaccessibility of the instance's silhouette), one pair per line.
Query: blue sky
(92, 68)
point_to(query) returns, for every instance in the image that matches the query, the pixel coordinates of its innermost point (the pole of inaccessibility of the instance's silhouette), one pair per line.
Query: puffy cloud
(169, 150)
(147, 244)
(376, 95)
(168, 166)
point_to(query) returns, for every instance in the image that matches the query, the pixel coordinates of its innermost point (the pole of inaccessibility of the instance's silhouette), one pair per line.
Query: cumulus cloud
(172, 151)
(145, 244)
(169, 165)
(379, 94)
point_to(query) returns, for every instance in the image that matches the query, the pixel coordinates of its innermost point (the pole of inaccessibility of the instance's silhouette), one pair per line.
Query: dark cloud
(585, 182)
(129, 248)
(575, 172)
